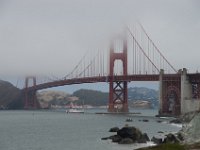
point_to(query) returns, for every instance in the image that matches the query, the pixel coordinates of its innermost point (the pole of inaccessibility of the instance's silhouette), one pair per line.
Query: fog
(49, 37)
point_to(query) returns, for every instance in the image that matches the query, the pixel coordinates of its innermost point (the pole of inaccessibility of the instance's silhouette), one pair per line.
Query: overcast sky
(51, 36)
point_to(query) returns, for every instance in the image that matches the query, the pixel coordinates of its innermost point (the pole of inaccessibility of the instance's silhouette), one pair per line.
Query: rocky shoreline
(131, 134)
(186, 139)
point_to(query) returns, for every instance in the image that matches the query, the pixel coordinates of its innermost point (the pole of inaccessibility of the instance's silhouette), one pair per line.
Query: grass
(195, 146)
(166, 147)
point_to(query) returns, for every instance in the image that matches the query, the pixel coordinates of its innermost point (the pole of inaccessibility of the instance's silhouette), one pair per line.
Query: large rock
(105, 138)
(128, 135)
(171, 138)
(114, 129)
(130, 132)
(177, 121)
(157, 140)
(144, 138)
(126, 141)
(180, 136)
(115, 138)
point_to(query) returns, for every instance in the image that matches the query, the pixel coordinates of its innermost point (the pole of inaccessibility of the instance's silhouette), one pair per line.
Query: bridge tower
(30, 94)
(118, 93)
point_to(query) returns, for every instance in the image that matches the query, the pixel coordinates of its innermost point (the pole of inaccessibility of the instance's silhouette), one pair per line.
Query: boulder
(157, 140)
(130, 132)
(145, 120)
(171, 138)
(115, 138)
(105, 138)
(177, 121)
(180, 136)
(127, 135)
(126, 141)
(114, 129)
(144, 138)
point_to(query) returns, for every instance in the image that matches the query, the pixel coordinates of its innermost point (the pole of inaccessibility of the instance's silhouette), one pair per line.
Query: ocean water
(57, 130)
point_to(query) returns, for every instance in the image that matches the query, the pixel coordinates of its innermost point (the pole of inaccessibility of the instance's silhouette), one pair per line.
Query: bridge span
(179, 92)
(94, 79)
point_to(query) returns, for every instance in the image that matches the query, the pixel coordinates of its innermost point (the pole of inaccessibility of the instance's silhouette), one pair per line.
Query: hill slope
(91, 97)
(97, 98)
(10, 96)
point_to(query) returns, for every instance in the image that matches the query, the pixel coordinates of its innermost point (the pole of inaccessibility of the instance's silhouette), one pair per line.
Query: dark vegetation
(166, 147)
(10, 96)
(91, 97)
(142, 93)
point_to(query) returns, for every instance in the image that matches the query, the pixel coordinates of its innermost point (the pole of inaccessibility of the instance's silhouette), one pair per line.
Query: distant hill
(47, 98)
(10, 96)
(138, 97)
(91, 97)
(142, 93)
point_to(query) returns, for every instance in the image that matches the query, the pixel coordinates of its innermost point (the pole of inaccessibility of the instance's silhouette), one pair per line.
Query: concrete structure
(179, 93)
(189, 102)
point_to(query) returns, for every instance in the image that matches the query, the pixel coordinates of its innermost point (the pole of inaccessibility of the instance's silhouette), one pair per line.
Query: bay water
(58, 130)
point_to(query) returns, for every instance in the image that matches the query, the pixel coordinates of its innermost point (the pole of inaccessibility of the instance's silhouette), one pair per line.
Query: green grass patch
(166, 147)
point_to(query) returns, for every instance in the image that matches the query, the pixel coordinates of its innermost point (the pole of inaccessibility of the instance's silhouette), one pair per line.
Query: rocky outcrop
(114, 129)
(171, 138)
(191, 131)
(128, 135)
(157, 140)
(167, 139)
(144, 138)
(176, 121)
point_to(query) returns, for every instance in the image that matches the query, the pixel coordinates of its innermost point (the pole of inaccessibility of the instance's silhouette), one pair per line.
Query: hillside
(91, 97)
(143, 97)
(47, 98)
(10, 96)
(142, 93)
(138, 97)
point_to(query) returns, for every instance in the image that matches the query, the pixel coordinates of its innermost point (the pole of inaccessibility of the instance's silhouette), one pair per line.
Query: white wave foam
(177, 125)
(148, 144)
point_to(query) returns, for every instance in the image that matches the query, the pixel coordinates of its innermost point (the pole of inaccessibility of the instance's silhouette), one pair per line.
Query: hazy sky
(50, 36)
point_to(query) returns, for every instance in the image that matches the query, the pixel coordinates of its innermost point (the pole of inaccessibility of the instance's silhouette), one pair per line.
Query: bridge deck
(95, 79)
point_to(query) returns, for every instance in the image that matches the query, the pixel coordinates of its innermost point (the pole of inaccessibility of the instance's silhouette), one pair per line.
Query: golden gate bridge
(132, 56)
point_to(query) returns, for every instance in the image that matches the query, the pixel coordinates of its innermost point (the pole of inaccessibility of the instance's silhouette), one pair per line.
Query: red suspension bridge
(132, 57)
